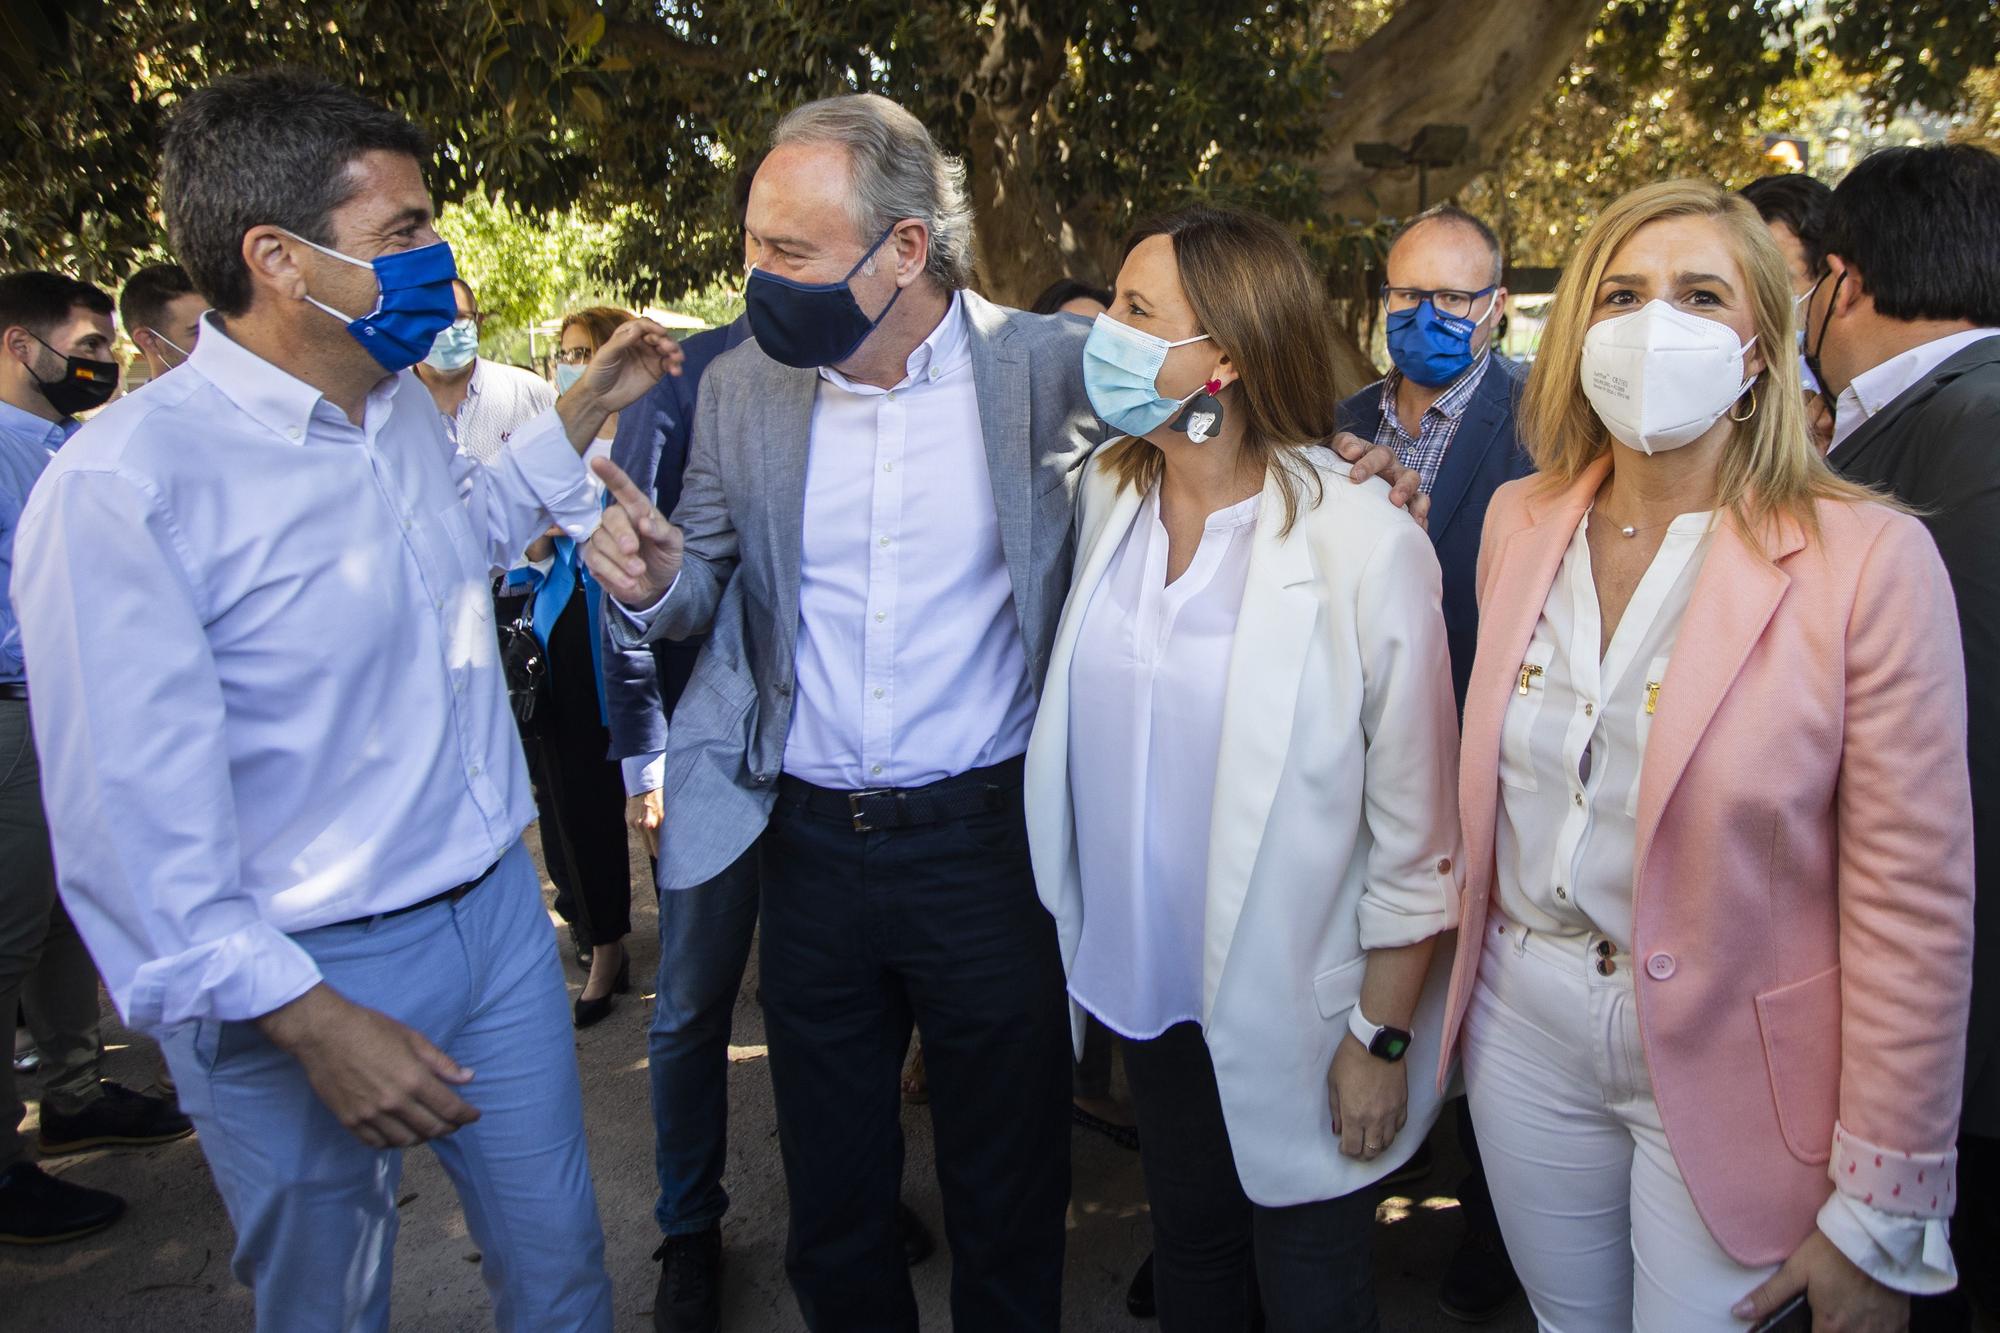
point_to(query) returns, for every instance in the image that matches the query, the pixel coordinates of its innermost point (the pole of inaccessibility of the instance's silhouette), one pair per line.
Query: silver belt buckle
(854, 800)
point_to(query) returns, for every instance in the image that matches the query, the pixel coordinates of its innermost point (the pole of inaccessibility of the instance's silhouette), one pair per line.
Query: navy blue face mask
(807, 325)
(1430, 347)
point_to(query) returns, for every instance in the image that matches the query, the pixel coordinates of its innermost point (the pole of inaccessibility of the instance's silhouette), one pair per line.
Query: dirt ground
(166, 1265)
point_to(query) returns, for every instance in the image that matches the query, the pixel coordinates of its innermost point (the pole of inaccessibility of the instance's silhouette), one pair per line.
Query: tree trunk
(1483, 64)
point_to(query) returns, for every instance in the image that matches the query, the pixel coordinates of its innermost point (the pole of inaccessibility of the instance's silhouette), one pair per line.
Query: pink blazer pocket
(1801, 1026)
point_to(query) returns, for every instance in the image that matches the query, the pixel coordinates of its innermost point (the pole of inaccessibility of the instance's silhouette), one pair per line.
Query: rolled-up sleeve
(1410, 779)
(135, 773)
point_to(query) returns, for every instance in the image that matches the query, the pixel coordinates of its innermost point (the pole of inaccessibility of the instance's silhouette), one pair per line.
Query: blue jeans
(704, 944)
(315, 1208)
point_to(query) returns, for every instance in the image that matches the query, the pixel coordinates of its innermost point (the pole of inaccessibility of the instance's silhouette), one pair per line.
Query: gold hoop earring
(1753, 407)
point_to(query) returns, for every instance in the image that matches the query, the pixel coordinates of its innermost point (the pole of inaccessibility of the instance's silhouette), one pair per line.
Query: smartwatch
(1383, 1042)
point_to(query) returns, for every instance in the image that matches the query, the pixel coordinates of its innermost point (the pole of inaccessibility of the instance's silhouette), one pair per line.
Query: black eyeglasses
(572, 356)
(1448, 301)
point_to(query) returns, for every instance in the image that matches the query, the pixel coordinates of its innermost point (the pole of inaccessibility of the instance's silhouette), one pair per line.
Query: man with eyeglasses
(1447, 410)
(482, 401)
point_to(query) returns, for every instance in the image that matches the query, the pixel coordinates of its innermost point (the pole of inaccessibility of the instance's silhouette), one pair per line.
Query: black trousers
(579, 793)
(1218, 1257)
(861, 934)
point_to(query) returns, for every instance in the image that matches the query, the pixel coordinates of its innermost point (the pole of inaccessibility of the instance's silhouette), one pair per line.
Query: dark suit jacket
(1484, 454)
(642, 685)
(1936, 447)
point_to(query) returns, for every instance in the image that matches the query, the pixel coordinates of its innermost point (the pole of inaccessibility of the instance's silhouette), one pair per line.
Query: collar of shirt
(1878, 386)
(1450, 404)
(273, 398)
(19, 426)
(949, 345)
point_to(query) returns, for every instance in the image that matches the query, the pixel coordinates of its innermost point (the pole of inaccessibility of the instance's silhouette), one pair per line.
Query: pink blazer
(1802, 900)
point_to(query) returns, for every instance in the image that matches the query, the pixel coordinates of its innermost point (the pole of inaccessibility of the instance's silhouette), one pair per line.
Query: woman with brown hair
(1240, 785)
(578, 790)
(1717, 932)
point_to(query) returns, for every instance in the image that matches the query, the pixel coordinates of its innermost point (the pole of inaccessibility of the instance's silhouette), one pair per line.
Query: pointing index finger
(629, 497)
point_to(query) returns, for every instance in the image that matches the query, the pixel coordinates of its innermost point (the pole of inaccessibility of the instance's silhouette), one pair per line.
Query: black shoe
(918, 1244)
(120, 1118)
(1480, 1282)
(38, 1209)
(588, 1013)
(689, 1297)
(622, 983)
(1420, 1164)
(1139, 1296)
(581, 945)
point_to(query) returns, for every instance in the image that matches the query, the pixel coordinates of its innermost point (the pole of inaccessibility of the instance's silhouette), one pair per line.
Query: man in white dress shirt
(281, 774)
(483, 402)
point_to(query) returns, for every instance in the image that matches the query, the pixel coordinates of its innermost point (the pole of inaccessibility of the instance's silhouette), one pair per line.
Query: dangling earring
(1753, 407)
(1202, 420)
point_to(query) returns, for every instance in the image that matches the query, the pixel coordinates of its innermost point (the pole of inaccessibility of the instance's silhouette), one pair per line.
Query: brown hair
(1770, 468)
(599, 321)
(1258, 297)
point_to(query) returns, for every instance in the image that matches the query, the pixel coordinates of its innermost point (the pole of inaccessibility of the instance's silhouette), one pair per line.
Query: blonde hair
(1769, 469)
(1254, 292)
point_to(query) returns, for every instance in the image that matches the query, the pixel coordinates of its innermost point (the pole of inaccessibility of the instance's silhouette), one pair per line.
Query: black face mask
(1819, 345)
(85, 383)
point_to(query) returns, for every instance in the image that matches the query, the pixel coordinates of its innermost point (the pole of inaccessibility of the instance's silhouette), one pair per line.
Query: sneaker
(120, 1118)
(38, 1209)
(689, 1297)
(1480, 1282)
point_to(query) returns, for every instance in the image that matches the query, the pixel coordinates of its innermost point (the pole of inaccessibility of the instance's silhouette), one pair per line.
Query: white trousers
(1596, 1217)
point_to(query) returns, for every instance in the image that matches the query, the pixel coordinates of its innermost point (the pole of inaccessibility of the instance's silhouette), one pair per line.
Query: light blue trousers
(315, 1208)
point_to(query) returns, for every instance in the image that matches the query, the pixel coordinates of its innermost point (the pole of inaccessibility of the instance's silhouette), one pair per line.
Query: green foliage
(525, 268)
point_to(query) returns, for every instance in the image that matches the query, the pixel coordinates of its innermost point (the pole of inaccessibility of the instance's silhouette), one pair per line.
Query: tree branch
(653, 39)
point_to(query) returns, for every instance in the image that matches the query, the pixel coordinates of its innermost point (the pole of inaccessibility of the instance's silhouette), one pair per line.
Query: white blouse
(1146, 694)
(1575, 736)
(1571, 749)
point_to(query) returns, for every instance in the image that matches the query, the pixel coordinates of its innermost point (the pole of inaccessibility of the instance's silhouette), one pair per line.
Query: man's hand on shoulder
(385, 1082)
(1379, 460)
(635, 552)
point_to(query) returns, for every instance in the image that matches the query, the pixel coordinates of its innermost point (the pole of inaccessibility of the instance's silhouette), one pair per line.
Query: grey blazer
(742, 510)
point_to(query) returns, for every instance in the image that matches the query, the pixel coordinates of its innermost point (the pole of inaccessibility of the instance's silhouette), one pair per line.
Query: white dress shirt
(910, 665)
(266, 682)
(1147, 686)
(1571, 750)
(498, 401)
(1878, 386)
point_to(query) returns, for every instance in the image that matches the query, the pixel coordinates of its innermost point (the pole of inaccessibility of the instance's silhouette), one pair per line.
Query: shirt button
(1589, 709)
(888, 467)
(889, 397)
(1660, 966)
(440, 603)
(1605, 967)
(885, 541)
(292, 432)
(1562, 893)
(1444, 865)
(1578, 798)
(878, 694)
(881, 616)
(759, 779)
(784, 688)
(473, 771)
(877, 770)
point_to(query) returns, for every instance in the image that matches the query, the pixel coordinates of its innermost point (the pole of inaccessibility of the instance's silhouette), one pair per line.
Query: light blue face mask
(567, 376)
(455, 348)
(1121, 365)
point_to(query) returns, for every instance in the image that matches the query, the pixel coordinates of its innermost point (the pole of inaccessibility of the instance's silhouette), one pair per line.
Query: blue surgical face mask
(807, 325)
(1430, 347)
(1120, 367)
(567, 376)
(415, 303)
(455, 348)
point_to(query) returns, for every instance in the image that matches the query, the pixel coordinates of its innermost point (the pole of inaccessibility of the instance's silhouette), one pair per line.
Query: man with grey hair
(874, 531)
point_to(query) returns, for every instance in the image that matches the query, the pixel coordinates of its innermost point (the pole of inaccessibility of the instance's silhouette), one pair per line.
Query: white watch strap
(1363, 1030)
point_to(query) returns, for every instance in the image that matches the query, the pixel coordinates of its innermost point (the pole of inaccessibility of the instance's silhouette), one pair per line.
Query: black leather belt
(14, 689)
(450, 895)
(980, 791)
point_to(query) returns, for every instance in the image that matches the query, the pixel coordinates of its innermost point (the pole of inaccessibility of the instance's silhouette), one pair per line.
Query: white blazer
(1335, 822)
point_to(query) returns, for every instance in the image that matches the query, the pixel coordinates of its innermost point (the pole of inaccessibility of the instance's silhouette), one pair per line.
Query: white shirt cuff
(243, 975)
(644, 619)
(644, 772)
(1911, 1254)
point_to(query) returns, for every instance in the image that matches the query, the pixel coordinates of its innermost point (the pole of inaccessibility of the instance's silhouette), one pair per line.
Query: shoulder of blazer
(1353, 518)
(1359, 413)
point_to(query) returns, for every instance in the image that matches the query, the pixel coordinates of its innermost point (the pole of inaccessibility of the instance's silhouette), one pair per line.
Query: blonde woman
(1717, 920)
(1239, 791)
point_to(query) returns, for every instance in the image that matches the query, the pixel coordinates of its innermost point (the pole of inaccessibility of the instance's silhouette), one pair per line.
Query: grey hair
(899, 172)
(1452, 213)
(272, 147)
